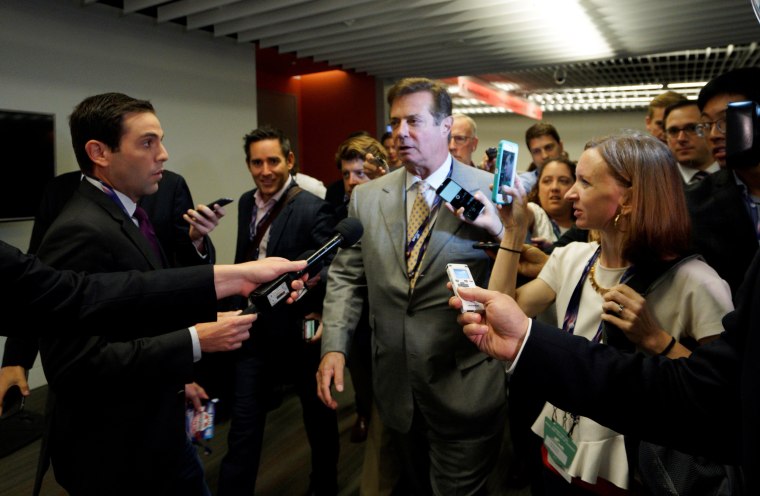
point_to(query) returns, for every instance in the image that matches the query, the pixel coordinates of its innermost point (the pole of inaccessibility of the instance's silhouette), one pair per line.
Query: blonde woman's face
(596, 196)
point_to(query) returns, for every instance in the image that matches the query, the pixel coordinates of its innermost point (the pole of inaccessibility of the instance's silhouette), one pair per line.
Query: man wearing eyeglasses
(695, 161)
(725, 206)
(463, 139)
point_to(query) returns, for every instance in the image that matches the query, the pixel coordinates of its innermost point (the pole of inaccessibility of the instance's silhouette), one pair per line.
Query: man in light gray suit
(442, 400)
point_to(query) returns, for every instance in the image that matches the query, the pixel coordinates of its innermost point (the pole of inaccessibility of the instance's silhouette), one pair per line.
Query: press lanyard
(555, 228)
(417, 235)
(571, 314)
(109, 191)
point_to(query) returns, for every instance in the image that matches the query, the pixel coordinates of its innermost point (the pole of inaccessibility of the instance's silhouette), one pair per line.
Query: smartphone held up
(504, 175)
(459, 197)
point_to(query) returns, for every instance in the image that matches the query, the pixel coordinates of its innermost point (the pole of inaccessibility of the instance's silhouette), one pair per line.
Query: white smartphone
(504, 175)
(460, 277)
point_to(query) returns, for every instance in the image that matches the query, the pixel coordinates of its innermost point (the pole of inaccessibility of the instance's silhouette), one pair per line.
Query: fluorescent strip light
(687, 85)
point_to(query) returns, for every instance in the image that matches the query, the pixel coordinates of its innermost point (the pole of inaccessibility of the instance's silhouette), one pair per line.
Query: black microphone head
(351, 230)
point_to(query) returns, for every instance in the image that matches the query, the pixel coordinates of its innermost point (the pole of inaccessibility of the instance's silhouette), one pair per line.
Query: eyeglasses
(689, 130)
(460, 140)
(705, 128)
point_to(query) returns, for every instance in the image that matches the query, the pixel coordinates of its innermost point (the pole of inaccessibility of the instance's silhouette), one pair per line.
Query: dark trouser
(254, 395)
(190, 479)
(438, 464)
(360, 367)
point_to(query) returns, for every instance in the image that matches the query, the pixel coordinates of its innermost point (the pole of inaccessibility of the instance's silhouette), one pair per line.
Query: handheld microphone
(272, 294)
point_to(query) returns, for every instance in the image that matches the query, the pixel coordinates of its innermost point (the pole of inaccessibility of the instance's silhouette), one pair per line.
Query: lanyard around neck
(573, 306)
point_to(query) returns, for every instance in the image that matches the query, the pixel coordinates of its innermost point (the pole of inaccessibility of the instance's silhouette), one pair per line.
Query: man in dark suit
(724, 206)
(114, 445)
(278, 218)
(443, 402)
(184, 241)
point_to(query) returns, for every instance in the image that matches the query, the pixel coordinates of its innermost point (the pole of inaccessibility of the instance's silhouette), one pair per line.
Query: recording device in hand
(504, 175)
(269, 296)
(491, 152)
(460, 277)
(458, 197)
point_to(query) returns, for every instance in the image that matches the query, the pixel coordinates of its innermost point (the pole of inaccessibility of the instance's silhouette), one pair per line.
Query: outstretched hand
(245, 277)
(500, 330)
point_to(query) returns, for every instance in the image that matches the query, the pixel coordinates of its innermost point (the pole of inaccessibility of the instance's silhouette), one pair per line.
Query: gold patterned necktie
(417, 230)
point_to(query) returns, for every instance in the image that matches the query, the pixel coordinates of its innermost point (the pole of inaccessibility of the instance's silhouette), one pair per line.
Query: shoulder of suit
(721, 180)
(306, 196)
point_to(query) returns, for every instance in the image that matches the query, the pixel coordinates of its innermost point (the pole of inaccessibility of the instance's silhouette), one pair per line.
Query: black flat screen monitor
(27, 141)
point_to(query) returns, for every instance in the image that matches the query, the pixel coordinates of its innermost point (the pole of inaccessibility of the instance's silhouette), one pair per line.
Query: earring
(615, 222)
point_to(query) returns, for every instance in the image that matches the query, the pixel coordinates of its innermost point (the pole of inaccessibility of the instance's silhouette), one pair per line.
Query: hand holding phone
(504, 175)
(459, 197)
(460, 277)
(221, 202)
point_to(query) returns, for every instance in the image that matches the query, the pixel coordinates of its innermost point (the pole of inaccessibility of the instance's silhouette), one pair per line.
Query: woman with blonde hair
(636, 279)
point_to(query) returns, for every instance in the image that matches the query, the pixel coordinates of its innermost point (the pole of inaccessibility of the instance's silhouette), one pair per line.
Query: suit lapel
(393, 211)
(277, 227)
(130, 230)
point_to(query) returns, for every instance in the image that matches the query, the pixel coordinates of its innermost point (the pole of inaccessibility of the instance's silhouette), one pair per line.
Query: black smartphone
(380, 162)
(453, 193)
(486, 245)
(221, 202)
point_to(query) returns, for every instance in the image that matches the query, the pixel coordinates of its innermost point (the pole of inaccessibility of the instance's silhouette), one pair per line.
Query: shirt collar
(433, 180)
(688, 172)
(126, 202)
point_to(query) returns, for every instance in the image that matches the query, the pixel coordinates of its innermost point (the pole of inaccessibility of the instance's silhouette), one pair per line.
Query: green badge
(559, 445)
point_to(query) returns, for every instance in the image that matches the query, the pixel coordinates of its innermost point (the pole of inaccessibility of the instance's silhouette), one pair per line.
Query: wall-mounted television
(27, 152)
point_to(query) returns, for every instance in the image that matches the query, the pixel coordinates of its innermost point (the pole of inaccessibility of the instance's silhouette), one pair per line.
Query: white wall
(54, 53)
(575, 129)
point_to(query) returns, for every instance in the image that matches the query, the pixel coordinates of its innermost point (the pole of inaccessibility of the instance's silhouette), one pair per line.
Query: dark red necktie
(146, 228)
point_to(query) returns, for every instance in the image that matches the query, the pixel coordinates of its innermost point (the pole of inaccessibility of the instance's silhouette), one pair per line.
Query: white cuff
(509, 367)
(196, 343)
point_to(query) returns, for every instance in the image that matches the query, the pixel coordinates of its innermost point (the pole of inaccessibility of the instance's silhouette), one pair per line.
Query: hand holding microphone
(269, 296)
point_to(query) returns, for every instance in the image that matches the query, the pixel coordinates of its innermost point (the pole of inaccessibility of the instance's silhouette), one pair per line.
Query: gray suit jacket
(419, 351)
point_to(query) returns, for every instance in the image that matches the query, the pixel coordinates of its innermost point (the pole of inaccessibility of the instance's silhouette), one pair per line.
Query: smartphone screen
(459, 197)
(506, 163)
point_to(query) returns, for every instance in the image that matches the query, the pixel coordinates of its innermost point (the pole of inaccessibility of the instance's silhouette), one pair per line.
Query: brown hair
(358, 147)
(533, 193)
(541, 129)
(441, 98)
(663, 100)
(658, 227)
